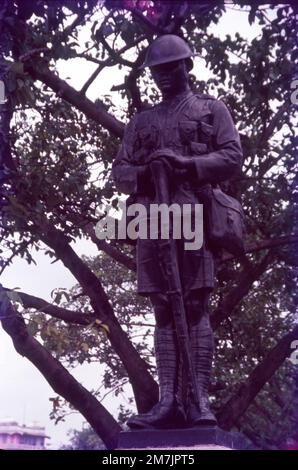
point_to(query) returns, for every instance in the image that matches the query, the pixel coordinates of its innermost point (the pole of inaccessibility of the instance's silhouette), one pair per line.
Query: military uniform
(191, 125)
(199, 128)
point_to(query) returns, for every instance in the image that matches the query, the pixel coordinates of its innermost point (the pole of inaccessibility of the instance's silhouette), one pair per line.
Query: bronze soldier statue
(194, 135)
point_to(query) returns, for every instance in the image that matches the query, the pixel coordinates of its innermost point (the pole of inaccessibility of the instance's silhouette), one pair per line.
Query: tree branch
(109, 249)
(246, 279)
(238, 403)
(265, 244)
(131, 82)
(56, 375)
(116, 56)
(7, 165)
(74, 97)
(69, 316)
(145, 388)
(94, 75)
(76, 22)
(137, 15)
(269, 130)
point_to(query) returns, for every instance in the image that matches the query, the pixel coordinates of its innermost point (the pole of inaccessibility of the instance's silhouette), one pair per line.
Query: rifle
(168, 259)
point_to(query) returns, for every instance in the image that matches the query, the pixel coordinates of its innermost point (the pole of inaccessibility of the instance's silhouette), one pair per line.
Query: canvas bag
(224, 220)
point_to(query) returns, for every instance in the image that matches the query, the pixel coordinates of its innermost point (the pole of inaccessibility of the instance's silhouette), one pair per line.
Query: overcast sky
(24, 393)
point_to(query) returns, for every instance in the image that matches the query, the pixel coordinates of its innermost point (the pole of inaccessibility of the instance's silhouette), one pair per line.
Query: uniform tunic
(191, 125)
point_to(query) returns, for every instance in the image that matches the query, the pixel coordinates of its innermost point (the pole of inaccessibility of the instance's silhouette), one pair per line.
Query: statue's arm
(226, 157)
(126, 173)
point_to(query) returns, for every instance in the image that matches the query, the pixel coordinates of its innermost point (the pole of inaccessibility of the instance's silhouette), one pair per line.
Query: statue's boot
(168, 412)
(202, 353)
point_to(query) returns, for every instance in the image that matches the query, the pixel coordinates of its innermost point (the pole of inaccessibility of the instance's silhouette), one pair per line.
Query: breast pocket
(146, 141)
(147, 137)
(188, 131)
(205, 133)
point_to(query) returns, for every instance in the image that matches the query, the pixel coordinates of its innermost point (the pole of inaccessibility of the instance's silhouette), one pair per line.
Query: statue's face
(170, 78)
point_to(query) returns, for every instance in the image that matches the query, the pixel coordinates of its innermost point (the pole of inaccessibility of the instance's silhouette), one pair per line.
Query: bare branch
(94, 76)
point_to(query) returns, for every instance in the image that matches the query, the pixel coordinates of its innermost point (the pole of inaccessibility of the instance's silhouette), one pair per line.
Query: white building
(14, 436)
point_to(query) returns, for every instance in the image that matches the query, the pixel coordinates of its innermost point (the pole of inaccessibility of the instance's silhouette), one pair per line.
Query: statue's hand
(144, 171)
(164, 152)
(169, 156)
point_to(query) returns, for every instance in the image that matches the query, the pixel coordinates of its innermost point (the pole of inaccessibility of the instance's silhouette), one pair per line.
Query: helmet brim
(166, 61)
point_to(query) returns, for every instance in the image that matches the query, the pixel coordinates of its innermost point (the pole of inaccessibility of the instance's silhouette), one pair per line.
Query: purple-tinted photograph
(148, 231)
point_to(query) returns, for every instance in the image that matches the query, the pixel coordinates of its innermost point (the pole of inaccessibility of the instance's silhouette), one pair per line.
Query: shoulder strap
(204, 96)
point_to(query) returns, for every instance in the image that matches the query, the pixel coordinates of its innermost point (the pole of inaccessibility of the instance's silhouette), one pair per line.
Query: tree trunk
(62, 382)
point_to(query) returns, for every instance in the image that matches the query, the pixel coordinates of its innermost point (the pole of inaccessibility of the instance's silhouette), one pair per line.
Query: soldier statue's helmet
(167, 48)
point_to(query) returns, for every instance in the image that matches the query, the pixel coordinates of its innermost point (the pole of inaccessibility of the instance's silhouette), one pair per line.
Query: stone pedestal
(203, 437)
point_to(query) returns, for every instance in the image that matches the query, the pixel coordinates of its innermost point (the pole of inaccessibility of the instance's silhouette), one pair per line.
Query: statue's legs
(201, 340)
(168, 412)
